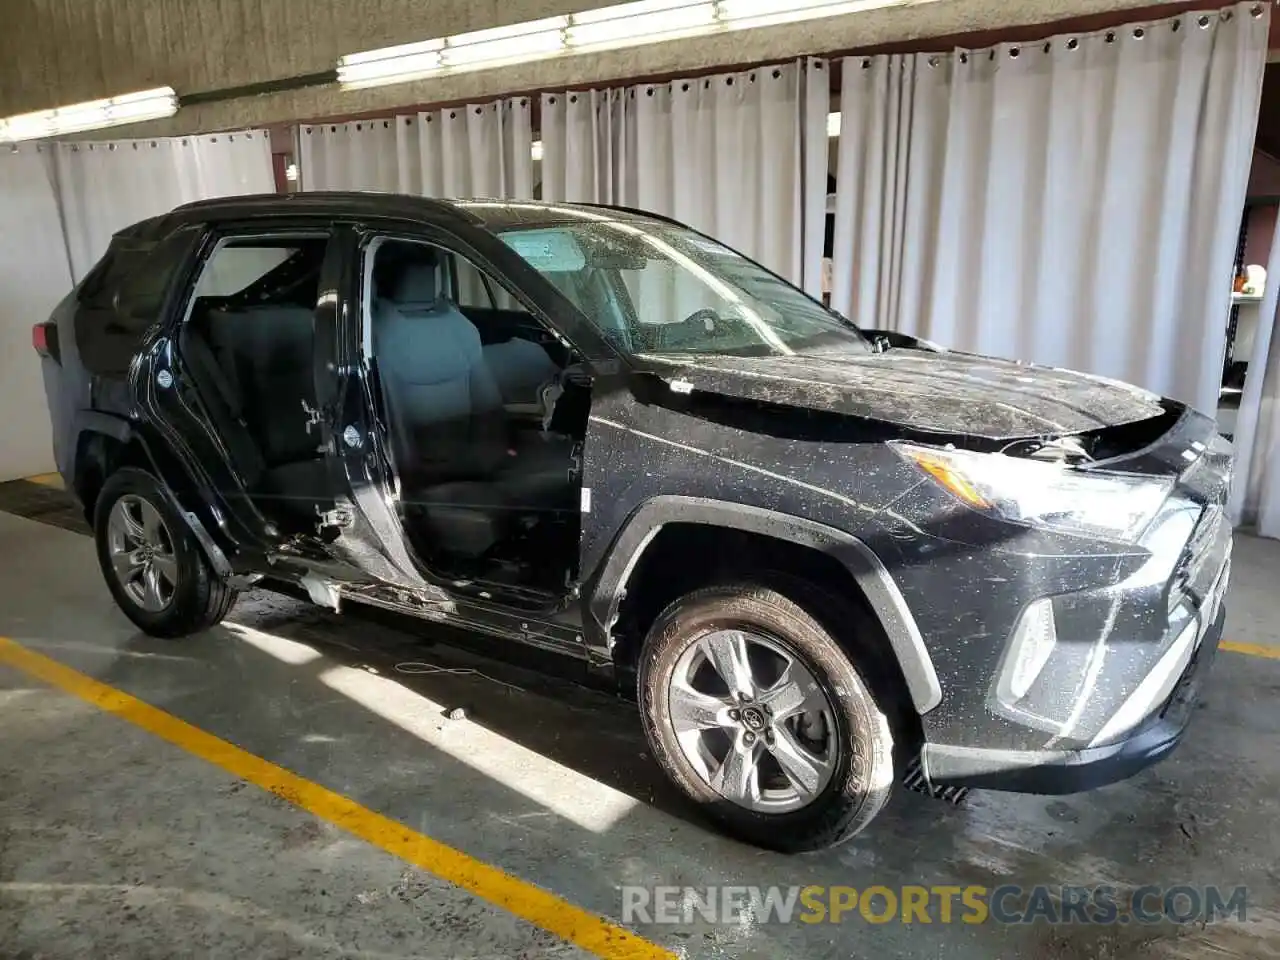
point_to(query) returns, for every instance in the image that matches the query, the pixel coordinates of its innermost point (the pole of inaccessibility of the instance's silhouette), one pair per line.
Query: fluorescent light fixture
(390, 65)
(513, 32)
(517, 44)
(537, 150)
(833, 124)
(621, 25)
(93, 115)
(635, 23)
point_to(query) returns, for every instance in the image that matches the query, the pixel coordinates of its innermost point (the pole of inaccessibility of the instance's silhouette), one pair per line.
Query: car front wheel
(756, 712)
(155, 570)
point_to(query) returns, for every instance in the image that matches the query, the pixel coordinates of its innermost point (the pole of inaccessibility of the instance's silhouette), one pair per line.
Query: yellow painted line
(1251, 649)
(47, 480)
(587, 930)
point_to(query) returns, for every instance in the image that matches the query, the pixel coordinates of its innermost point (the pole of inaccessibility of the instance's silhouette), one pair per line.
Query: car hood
(951, 393)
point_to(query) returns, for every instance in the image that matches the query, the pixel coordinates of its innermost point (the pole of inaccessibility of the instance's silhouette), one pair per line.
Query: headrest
(415, 287)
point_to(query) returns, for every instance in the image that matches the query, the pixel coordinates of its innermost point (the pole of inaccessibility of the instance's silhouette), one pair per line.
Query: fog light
(1033, 641)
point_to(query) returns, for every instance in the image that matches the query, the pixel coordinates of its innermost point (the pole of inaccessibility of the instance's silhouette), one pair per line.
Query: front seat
(449, 430)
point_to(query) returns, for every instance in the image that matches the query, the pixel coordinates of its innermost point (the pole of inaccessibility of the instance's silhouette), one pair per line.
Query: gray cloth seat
(522, 371)
(459, 467)
(258, 363)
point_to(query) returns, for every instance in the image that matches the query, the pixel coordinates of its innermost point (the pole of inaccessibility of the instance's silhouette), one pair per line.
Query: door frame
(213, 456)
(350, 396)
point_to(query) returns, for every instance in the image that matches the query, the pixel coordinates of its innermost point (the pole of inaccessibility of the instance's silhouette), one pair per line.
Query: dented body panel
(944, 393)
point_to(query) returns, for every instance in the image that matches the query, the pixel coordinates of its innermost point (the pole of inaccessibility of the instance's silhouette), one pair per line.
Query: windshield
(662, 289)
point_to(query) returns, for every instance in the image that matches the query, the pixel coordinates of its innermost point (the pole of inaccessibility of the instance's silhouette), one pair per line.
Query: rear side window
(123, 296)
(122, 258)
(234, 267)
(252, 271)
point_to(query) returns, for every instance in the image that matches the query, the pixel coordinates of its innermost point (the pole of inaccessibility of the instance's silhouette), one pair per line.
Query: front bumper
(1071, 771)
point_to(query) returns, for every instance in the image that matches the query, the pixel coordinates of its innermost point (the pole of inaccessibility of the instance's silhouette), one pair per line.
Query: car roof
(489, 214)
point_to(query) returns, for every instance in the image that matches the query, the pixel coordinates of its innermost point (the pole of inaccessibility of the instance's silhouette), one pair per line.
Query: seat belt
(207, 369)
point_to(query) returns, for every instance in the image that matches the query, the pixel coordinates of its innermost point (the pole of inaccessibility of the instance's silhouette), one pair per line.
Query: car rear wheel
(758, 715)
(155, 570)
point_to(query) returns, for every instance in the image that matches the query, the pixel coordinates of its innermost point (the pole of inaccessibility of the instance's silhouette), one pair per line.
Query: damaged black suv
(814, 553)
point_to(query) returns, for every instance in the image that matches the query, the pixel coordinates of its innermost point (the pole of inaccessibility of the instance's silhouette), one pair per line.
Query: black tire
(863, 778)
(199, 599)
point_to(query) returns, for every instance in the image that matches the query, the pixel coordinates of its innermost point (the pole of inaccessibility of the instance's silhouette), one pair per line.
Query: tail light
(44, 337)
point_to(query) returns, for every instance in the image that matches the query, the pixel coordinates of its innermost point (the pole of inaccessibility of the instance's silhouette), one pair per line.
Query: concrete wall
(62, 51)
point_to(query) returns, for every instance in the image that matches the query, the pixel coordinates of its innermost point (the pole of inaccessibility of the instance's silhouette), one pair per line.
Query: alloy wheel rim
(753, 721)
(142, 555)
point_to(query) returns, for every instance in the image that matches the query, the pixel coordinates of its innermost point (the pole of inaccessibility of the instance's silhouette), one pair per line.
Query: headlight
(1036, 493)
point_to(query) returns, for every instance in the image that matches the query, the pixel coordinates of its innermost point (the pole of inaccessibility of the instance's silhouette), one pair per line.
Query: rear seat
(265, 355)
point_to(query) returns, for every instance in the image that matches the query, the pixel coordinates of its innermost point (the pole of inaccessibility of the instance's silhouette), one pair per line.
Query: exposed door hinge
(315, 415)
(339, 517)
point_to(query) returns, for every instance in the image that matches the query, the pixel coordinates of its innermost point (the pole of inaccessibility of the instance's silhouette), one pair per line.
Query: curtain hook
(1256, 10)
(1139, 33)
(1015, 52)
(1073, 43)
(1203, 21)
(933, 61)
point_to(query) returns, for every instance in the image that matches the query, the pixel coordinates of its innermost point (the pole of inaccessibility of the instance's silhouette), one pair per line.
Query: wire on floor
(422, 669)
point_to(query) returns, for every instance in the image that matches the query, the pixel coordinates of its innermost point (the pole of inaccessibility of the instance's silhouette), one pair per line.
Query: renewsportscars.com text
(943, 904)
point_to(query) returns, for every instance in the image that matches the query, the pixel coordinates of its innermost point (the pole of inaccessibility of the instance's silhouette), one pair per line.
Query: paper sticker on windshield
(547, 251)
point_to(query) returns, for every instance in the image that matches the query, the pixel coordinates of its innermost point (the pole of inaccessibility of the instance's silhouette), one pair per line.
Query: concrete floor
(116, 844)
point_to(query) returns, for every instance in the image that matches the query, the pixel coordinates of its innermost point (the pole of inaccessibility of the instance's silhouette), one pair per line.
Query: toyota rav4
(813, 554)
